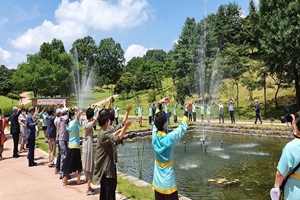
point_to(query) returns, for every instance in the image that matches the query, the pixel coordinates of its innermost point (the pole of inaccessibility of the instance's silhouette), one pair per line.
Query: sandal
(65, 181)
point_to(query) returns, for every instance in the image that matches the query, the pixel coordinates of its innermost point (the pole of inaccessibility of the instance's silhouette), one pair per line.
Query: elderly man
(15, 129)
(31, 122)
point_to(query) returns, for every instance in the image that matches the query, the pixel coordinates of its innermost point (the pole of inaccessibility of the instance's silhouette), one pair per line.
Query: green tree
(110, 59)
(228, 25)
(5, 80)
(126, 83)
(234, 65)
(84, 49)
(279, 25)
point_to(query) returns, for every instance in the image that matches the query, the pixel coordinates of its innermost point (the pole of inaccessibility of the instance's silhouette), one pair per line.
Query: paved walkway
(18, 181)
(25, 98)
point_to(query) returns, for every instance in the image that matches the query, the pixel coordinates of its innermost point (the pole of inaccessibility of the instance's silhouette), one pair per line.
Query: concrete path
(25, 98)
(102, 102)
(18, 181)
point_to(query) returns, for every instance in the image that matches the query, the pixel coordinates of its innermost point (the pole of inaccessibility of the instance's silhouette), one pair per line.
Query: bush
(13, 96)
(7, 111)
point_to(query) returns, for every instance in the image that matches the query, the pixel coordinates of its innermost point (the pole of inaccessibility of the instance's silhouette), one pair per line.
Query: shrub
(13, 96)
(6, 111)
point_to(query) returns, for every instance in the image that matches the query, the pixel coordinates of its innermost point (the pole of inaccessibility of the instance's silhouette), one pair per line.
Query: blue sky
(138, 25)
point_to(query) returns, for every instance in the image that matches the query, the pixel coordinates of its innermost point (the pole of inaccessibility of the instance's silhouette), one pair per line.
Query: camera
(112, 99)
(286, 118)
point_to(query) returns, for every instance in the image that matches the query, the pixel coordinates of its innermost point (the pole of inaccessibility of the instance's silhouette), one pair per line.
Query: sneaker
(89, 192)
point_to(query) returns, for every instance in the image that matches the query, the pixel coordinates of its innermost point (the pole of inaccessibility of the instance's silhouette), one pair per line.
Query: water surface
(250, 159)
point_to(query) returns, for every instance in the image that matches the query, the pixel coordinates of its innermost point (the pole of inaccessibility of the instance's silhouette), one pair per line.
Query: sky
(138, 25)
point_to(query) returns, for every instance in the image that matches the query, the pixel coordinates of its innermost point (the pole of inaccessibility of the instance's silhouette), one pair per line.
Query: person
(87, 155)
(221, 116)
(15, 129)
(289, 159)
(202, 112)
(95, 114)
(164, 143)
(190, 115)
(194, 111)
(175, 112)
(22, 123)
(63, 139)
(153, 111)
(150, 113)
(3, 124)
(43, 115)
(117, 113)
(287, 108)
(73, 160)
(105, 168)
(140, 114)
(257, 112)
(166, 109)
(51, 135)
(231, 110)
(208, 113)
(31, 122)
(57, 125)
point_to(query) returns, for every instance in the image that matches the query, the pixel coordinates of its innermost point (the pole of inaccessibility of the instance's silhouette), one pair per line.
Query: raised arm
(128, 109)
(79, 114)
(123, 130)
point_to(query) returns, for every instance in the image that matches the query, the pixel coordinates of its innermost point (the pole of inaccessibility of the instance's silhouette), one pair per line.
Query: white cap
(64, 110)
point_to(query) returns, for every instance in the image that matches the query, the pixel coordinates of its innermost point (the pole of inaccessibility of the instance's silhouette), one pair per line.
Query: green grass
(94, 96)
(4, 101)
(131, 191)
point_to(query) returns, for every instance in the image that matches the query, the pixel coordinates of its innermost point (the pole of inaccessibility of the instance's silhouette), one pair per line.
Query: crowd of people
(61, 126)
(204, 110)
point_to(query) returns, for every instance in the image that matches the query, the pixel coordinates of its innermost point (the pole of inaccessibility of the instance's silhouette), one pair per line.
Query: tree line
(223, 45)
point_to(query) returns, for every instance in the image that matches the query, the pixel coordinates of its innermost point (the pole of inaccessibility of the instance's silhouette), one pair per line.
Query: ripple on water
(224, 156)
(246, 145)
(189, 165)
(216, 149)
(255, 153)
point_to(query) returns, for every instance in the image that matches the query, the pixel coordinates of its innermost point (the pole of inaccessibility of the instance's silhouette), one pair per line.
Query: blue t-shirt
(73, 129)
(289, 159)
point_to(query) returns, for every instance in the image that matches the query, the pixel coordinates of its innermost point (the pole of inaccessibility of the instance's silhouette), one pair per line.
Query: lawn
(94, 96)
(4, 101)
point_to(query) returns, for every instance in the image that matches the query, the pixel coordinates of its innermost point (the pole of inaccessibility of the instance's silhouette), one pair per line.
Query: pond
(250, 159)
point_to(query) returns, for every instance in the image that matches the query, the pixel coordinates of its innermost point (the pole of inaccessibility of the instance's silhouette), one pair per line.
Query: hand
(128, 123)
(165, 100)
(128, 108)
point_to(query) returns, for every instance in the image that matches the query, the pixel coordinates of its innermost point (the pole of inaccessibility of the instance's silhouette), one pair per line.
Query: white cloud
(135, 50)
(4, 55)
(67, 31)
(11, 59)
(103, 15)
(76, 17)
